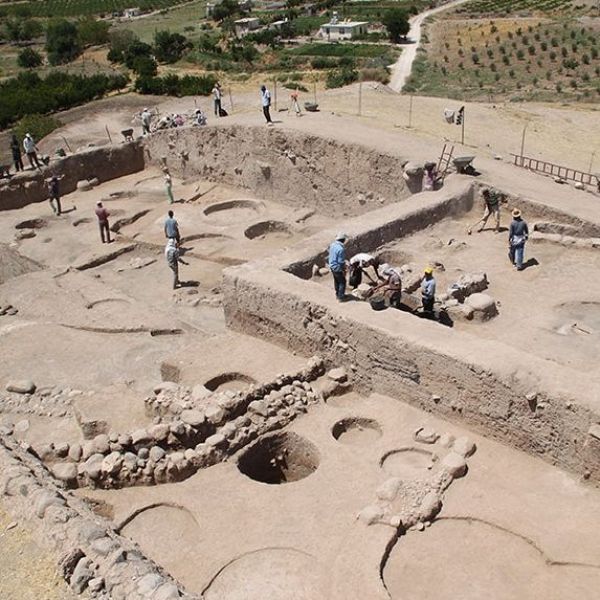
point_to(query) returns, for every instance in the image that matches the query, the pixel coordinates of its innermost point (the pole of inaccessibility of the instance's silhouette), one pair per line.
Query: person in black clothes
(15, 148)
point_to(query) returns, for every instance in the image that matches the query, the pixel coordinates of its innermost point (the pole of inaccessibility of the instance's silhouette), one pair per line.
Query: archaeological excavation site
(248, 436)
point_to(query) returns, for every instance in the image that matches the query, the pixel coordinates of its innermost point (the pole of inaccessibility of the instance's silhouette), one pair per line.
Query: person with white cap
(173, 259)
(103, 215)
(31, 150)
(518, 234)
(391, 287)
(359, 264)
(146, 117)
(428, 291)
(337, 265)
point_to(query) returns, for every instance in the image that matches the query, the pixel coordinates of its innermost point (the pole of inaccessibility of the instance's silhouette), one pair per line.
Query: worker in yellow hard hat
(428, 291)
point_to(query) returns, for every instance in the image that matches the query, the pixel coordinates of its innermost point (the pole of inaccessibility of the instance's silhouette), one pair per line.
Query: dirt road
(403, 66)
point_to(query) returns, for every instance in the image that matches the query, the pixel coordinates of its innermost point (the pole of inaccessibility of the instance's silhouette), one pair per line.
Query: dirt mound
(13, 264)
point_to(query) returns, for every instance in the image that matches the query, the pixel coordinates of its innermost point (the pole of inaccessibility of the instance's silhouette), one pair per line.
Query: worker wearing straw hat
(517, 237)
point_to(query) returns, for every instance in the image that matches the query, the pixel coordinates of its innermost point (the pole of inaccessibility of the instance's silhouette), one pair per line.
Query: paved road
(402, 68)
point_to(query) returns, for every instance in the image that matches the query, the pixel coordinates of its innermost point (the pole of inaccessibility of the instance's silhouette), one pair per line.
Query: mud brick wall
(105, 163)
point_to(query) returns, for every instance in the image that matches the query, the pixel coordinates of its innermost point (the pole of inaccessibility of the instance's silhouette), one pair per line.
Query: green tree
(145, 66)
(134, 51)
(19, 30)
(93, 32)
(396, 22)
(227, 8)
(62, 42)
(29, 59)
(169, 47)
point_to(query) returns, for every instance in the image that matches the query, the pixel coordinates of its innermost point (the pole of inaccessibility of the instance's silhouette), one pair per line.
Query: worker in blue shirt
(337, 265)
(428, 291)
(517, 236)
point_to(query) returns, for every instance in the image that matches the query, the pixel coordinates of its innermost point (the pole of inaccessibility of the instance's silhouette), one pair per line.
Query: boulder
(194, 418)
(66, 472)
(21, 386)
(454, 464)
(159, 432)
(84, 185)
(81, 575)
(112, 463)
(215, 414)
(484, 306)
(101, 444)
(339, 374)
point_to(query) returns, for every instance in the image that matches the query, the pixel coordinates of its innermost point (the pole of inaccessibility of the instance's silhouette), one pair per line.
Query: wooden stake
(67, 144)
(108, 134)
(410, 106)
(360, 97)
(230, 100)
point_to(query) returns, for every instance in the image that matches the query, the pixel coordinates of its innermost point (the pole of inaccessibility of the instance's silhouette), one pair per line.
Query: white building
(246, 25)
(129, 13)
(342, 30)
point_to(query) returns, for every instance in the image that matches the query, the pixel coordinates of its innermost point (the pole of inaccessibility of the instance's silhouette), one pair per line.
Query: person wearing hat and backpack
(518, 234)
(337, 265)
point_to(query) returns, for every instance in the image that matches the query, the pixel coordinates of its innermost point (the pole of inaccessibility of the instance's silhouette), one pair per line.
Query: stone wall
(104, 163)
(530, 403)
(294, 168)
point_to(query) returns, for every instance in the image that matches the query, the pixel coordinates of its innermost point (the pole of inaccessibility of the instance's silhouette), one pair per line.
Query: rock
(21, 426)
(215, 440)
(315, 270)
(156, 453)
(143, 453)
(594, 431)
(388, 490)
(84, 185)
(579, 186)
(371, 514)
(159, 432)
(101, 444)
(425, 435)
(199, 392)
(177, 458)
(464, 446)
(95, 584)
(454, 464)
(215, 414)
(324, 271)
(81, 575)
(148, 583)
(166, 386)
(194, 418)
(104, 546)
(430, 506)
(339, 374)
(61, 449)
(93, 465)
(112, 463)
(258, 407)
(75, 452)
(65, 471)
(484, 306)
(395, 521)
(140, 436)
(44, 500)
(446, 440)
(167, 591)
(177, 428)
(21, 386)
(420, 526)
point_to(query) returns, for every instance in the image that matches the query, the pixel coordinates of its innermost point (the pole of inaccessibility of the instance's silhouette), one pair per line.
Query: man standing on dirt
(15, 149)
(217, 96)
(492, 200)
(265, 98)
(173, 259)
(337, 265)
(428, 292)
(146, 117)
(172, 227)
(54, 194)
(517, 236)
(31, 150)
(103, 215)
(168, 184)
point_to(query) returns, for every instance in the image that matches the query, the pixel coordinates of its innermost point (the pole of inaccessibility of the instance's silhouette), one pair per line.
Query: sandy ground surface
(27, 570)
(496, 521)
(565, 325)
(101, 336)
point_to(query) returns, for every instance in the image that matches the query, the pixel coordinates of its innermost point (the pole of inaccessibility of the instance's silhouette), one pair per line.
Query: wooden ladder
(444, 162)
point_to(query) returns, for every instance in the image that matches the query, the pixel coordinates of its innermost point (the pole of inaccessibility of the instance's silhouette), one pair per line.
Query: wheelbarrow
(127, 134)
(311, 106)
(463, 164)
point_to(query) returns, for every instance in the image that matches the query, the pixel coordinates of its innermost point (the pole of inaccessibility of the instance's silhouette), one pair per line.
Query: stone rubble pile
(93, 558)
(23, 397)
(192, 429)
(414, 503)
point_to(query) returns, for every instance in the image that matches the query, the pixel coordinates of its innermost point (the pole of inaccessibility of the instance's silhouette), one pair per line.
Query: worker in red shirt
(103, 215)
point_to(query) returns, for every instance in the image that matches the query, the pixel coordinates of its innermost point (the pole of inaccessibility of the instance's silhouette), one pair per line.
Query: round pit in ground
(268, 229)
(279, 458)
(233, 211)
(229, 381)
(356, 431)
(408, 463)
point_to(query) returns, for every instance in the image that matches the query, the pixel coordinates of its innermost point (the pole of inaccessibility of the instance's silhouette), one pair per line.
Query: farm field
(511, 59)
(505, 8)
(76, 8)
